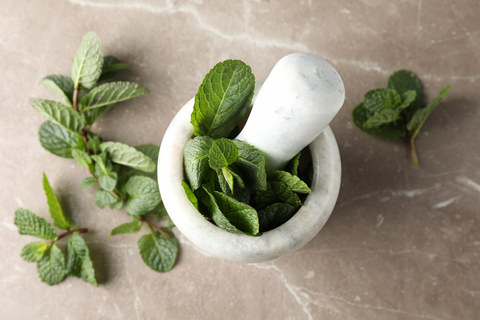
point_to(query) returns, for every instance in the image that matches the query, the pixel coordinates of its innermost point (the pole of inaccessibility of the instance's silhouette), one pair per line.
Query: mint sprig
(396, 112)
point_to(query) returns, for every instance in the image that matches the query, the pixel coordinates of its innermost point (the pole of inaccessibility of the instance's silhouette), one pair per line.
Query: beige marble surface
(402, 243)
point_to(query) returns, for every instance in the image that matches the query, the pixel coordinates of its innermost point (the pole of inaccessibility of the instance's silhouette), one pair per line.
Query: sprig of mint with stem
(227, 181)
(125, 175)
(396, 112)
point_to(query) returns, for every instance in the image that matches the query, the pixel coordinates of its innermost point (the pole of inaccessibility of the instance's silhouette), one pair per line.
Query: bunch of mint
(227, 181)
(51, 266)
(125, 175)
(396, 112)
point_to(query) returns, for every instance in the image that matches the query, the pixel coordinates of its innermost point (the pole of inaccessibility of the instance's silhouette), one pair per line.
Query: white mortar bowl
(287, 238)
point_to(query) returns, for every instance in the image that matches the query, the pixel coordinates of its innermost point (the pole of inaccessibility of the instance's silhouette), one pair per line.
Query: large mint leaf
(222, 154)
(293, 182)
(222, 99)
(110, 93)
(151, 151)
(285, 194)
(195, 159)
(103, 198)
(127, 228)
(34, 251)
(275, 215)
(144, 195)
(51, 269)
(238, 214)
(390, 130)
(110, 67)
(61, 86)
(422, 114)
(88, 62)
(57, 140)
(252, 164)
(30, 224)
(379, 99)
(59, 113)
(157, 251)
(403, 81)
(56, 212)
(383, 117)
(125, 155)
(79, 263)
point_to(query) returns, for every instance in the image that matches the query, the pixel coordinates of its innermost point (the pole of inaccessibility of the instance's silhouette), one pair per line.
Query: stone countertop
(402, 242)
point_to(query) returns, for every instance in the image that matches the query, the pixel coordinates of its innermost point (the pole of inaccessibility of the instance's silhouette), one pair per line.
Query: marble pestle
(296, 103)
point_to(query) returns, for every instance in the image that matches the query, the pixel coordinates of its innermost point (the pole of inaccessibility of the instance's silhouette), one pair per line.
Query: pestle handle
(296, 103)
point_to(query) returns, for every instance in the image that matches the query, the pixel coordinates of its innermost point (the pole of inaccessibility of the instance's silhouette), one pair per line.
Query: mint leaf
(285, 194)
(407, 98)
(127, 228)
(34, 251)
(116, 205)
(195, 159)
(379, 99)
(222, 154)
(60, 114)
(94, 143)
(60, 220)
(292, 165)
(275, 215)
(291, 181)
(151, 151)
(61, 86)
(252, 164)
(51, 269)
(190, 195)
(383, 117)
(79, 263)
(107, 179)
(228, 176)
(82, 158)
(110, 93)
(403, 81)
(110, 67)
(392, 130)
(422, 114)
(87, 64)
(57, 140)
(102, 198)
(157, 251)
(30, 224)
(144, 195)
(222, 99)
(240, 215)
(125, 155)
(87, 182)
(92, 115)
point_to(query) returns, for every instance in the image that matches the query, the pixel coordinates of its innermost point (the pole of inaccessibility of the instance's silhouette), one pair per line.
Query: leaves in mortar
(110, 67)
(30, 224)
(238, 214)
(151, 151)
(190, 195)
(222, 99)
(422, 114)
(127, 228)
(87, 64)
(252, 164)
(392, 130)
(157, 251)
(293, 182)
(87, 182)
(82, 158)
(79, 263)
(51, 268)
(275, 215)
(286, 195)
(60, 220)
(403, 81)
(102, 198)
(195, 159)
(61, 86)
(57, 140)
(110, 93)
(222, 154)
(34, 251)
(59, 113)
(265, 198)
(125, 155)
(292, 165)
(144, 195)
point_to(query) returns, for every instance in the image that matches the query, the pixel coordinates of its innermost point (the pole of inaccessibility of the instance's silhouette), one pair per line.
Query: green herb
(396, 112)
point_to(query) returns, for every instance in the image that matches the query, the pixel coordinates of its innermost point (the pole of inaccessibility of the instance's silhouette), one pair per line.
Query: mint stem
(63, 235)
(413, 151)
(165, 234)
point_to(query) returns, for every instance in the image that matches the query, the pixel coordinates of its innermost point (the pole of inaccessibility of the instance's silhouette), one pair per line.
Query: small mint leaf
(51, 268)
(292, 165)
(61, 86)
(87, 182)
(265, 198)
(103, 198)
(379, 99)
(57, 139)
(195, 158)
(144, 195)
(60, 220)
(87, 64)
(157, 251)
(151, 151)
(285, 194)
(34, 251)
(238, 214)
(383, 117)
(127, 228)
(110, 67)
(407, 98)
(30, 224)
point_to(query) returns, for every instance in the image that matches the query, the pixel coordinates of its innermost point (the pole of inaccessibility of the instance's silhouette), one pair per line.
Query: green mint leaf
(82, 158)
(61, 86)
(94, 144)
(151, 151)
(403, 81)
(104, 164)
(222, 99)
(125, 155)
(238, 214)
(419, 117)
(379, 99)
(292, 165)
(30, 224)
(383, 117)
(144, 195)
(103, 198)
(87, 64)
(87, 182)
(92, 115)
(407, 98)
(34, 251)
(251, 163)
(127, 228)
(392, 130)
(60, 114)
(265, 198)
(51, 269)
(157, 251)
(195, 159)
(190, 195)
(110, 67)
(275, 215)
(116, 205)
(285, 194)
(110, 93)
(291, 181)
(222, 154)
(79, 263)
(108, 180)
(60, 220)
(57, 140)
